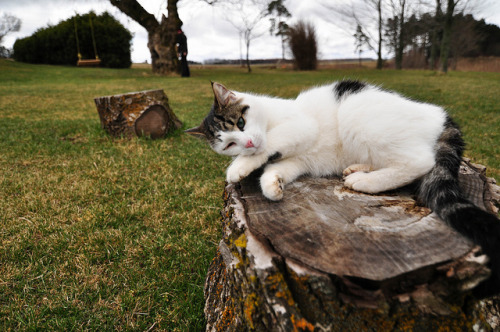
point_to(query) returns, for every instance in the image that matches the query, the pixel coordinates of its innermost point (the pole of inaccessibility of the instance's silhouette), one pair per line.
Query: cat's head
(229, 127)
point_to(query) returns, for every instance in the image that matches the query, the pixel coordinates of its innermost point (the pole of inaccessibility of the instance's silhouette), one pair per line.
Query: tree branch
(136, 12)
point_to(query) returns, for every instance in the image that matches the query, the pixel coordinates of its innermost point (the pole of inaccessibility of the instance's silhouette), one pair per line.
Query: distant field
(99, 233)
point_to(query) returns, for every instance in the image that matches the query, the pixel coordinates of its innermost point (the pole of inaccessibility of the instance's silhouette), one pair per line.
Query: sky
(210, 33)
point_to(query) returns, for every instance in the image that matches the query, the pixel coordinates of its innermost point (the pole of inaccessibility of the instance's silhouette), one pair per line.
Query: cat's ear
(223, 96)
(198, 132)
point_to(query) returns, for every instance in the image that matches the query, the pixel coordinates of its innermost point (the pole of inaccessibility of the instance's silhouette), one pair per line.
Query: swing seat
(89, 63)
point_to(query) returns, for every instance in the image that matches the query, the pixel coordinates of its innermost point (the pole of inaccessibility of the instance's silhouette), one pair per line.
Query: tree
(399, 9)
(361, 41)
(489, 45)
(161, 35)
(8, 24)
(466, 38)
(279, 27)
(444, 28)
(380, 25)
(368, 14)
(446, 41)
(246, 17)
(435, 30)
(303, 43)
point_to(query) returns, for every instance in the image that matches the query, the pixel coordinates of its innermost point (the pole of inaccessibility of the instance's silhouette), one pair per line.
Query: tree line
(418, 33)
(426, 33)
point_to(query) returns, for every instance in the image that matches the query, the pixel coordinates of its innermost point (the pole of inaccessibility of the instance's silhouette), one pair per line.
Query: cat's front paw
(243, 166)
(272, 186)
(235, 174)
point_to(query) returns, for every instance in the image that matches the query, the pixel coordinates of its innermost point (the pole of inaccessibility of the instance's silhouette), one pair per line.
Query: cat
(377, 139)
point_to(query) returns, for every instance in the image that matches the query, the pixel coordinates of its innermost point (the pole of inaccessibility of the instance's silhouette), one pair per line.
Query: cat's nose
(249, 144)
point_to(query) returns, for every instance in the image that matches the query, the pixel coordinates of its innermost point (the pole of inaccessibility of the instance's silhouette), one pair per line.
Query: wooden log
(330, 259)
(144, 113)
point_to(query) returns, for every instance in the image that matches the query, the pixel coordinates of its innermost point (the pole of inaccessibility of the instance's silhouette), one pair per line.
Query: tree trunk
(247, 42)
(436, 27)
(400, 44)
(161, 36)
(380, 62)
(330, 259)
(145, 113)
(445, 43)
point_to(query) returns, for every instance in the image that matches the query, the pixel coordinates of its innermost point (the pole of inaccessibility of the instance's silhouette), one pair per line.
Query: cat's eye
(241, 123)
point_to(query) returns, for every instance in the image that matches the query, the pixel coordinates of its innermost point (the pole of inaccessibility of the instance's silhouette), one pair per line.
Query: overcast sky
(209, 34)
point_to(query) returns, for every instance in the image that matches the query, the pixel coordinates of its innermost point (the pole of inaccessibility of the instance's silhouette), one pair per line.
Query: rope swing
(86, 62)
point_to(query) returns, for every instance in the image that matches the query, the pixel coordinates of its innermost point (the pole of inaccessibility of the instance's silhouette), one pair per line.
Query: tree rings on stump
(144, 113)
(153, 122)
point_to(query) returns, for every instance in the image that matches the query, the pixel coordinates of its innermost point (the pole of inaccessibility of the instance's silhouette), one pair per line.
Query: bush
(303, 44)
(58, 45)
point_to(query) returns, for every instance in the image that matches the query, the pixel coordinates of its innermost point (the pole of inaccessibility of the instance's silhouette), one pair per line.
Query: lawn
(99, 233)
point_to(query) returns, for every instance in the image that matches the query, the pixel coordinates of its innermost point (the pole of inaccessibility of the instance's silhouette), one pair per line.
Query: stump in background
(330, 259)
(144, 113)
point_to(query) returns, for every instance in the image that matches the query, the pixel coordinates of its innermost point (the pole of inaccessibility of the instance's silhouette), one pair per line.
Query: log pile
(330, 259)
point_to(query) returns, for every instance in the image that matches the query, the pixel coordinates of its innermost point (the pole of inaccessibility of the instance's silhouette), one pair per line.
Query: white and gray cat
(377, 139)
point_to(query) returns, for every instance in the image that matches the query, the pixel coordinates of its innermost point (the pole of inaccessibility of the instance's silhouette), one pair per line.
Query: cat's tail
(440, 191)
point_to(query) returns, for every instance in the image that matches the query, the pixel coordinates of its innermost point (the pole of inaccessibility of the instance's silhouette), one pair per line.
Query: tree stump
(326, 258)
(144, 113)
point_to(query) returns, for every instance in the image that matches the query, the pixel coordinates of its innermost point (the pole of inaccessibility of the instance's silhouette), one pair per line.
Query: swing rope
(97, 60)
(77, 41)
(93, 38)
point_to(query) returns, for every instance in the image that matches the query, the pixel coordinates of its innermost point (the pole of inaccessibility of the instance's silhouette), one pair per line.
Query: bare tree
(246, 16)
(443, 33)
(380, 27)
(8, 24)
(446, 41)
(399, 10)
(367, 14)
(465, 38)
(452, 8)
(435, 29)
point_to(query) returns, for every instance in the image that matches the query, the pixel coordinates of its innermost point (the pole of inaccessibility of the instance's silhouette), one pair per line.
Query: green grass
(99, 233)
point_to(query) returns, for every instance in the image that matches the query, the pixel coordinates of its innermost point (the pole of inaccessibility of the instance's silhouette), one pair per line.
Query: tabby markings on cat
(378, 139)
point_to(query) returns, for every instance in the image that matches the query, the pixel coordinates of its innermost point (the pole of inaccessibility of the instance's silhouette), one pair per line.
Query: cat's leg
(384, 179)
(242, 166)
(277, 175)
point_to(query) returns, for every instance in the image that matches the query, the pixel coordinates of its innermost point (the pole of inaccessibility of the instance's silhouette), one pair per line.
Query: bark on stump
(144, 113)
(330, 259)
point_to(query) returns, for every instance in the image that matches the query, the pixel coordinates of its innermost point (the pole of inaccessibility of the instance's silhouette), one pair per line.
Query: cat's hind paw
(363, 182)
(272, 186)
(357, 168)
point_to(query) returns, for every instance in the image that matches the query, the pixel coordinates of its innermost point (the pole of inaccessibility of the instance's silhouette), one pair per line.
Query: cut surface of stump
(326, 258)
(144, 113)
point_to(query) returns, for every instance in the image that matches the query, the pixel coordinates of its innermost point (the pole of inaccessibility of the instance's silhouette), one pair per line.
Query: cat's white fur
(317, 134)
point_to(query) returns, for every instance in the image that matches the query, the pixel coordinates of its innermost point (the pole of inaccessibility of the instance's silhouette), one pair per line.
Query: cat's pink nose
(249, 144)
